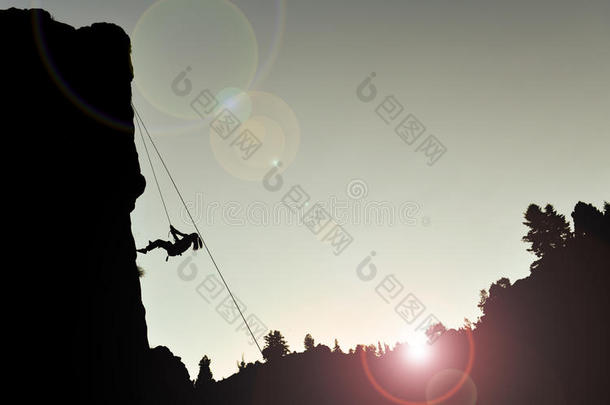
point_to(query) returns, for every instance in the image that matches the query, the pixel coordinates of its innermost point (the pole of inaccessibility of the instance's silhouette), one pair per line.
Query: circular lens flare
(271, 133)
(60, 78)
(440, 397)
(267, 61)
(182, 47)
(444, 380)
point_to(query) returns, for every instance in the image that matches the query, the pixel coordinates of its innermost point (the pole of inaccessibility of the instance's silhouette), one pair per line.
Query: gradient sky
(518, 92)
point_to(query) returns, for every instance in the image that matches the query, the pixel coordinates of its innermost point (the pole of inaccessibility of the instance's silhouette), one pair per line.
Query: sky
(507, 104)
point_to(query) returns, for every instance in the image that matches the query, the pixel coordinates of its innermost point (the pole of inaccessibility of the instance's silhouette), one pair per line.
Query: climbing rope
(205, 245)
(152, 167)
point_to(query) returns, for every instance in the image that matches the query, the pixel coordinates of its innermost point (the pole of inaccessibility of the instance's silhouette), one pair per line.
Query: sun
(418, 349)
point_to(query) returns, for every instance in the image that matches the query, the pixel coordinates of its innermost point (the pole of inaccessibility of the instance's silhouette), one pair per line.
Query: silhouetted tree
(496, 291)
(275, 346)
(588, 220)
(371, 349)
(483, 297)
(337, 348)
(309, 343)
(548, 230)
(241, 365)
(380, 349)
(204, 378)
(498, 287)
(320, 348)
(607, 220)
(435, 331)
(519, 344)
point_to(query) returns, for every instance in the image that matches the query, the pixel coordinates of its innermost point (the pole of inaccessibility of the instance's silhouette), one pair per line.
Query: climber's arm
(175, 232)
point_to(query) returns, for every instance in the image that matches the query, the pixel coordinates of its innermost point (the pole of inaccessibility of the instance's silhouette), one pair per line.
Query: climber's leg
(159, 243)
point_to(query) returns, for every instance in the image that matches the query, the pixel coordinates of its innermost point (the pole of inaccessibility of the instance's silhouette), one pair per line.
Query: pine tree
(309, 343)
(241, 365)
(588, 220)
(337, 348)
(275, 346)
(548, 230)
(380, 351)
(496, 291)
(204, 378)
(387, 348)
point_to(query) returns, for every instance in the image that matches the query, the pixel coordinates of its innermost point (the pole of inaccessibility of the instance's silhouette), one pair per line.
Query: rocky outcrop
(73, 175)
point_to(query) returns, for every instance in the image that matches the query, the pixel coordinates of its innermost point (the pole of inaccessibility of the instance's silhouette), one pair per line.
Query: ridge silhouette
(540, 340)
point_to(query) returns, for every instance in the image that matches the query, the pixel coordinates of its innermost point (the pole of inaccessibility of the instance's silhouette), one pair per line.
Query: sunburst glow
(418, 349)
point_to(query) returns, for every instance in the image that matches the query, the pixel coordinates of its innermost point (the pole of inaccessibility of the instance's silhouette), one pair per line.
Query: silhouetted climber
(180, 245)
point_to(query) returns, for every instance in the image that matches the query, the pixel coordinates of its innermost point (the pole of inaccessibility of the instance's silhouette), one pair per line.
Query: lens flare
(60, 80)
(271, 124)
(442, 397)
(418, 350)
(237, 101)
(181, 47)
(266, 62)
(444, 380)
